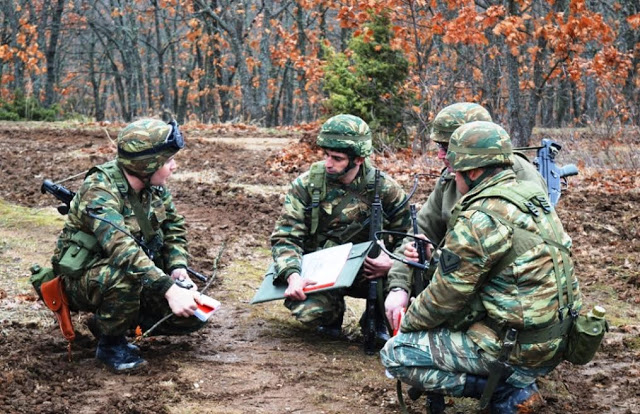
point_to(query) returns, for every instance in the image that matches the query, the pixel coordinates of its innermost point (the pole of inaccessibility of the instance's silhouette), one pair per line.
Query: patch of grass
(632, 342)
(13, 216)
(606, 296)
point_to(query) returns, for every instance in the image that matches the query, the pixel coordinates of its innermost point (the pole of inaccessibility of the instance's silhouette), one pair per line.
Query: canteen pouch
(585, 337)
(40, 275)
(79, 255)
(55, 298)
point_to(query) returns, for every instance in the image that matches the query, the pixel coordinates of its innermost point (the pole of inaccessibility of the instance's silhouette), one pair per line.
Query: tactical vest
(532, 201)
(152, 239)
(317, 190)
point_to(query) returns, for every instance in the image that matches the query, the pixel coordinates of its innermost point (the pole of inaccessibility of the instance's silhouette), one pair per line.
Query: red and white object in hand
(206, 307)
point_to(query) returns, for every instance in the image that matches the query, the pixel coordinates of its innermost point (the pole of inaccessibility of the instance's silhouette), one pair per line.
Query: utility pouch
(40, 275)
(584, 339)
(79, 255)
(55, 298)
(467, 316)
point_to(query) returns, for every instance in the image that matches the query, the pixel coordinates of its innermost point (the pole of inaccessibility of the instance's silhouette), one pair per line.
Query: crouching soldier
(330, 205)
(106, 271)
(497, 311)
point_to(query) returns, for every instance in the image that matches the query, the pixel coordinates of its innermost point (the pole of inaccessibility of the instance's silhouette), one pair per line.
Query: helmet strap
(488, 172)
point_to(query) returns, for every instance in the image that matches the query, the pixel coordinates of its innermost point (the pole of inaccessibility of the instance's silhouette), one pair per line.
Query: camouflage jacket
(100, 194)
(523, 294)
(291, 237)
(436, 212)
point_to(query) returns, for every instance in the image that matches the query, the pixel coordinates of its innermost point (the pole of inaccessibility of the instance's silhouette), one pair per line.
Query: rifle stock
(60, 192)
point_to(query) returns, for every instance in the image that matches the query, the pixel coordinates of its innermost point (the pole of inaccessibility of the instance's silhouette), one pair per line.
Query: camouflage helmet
(451, 117)
(346, 133)
(145, 145)
(479, 144)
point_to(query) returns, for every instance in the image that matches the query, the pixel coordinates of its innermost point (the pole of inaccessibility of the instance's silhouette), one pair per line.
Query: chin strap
(472, 183)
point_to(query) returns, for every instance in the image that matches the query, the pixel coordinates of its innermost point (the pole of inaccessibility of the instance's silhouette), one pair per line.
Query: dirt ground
(255, 358)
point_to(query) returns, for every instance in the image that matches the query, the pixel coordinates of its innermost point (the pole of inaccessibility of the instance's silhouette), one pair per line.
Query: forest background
(396, 63)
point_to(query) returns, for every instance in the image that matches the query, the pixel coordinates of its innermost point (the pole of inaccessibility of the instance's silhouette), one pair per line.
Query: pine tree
(367, 82)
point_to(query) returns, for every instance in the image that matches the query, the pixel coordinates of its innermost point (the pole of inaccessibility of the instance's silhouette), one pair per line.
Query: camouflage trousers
(326, 308)
(439, 360)
(120, 303)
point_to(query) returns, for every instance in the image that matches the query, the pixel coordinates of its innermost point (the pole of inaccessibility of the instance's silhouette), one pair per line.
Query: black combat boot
(334, 329)
(92, 324)
(435, 402)
(114, 352)
(506, 399)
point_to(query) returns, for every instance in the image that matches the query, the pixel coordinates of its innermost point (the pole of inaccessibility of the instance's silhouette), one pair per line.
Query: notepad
(324, 266)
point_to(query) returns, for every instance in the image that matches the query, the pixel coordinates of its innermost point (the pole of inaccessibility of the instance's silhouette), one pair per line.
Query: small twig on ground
(211, 279)
(215, 268)
(148, 332)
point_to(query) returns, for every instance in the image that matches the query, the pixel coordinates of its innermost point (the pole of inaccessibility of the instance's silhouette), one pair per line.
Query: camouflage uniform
(435, 213)
(123, 286)
(429, 353)
(292, 236)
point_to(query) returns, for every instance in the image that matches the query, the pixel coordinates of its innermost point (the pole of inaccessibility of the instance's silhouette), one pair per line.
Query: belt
(533, 336)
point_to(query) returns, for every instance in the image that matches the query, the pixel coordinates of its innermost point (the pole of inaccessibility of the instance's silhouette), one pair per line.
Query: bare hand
(181, 301)
(378, 267)
(295, 290)
(411, 253)
(181, 274)
(395, 304)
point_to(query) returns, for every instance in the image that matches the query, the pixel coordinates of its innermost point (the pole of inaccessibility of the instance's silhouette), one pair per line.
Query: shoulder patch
(449, 261)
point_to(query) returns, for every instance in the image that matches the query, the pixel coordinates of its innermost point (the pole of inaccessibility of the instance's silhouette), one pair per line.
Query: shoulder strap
(113, 171)
(317, 191)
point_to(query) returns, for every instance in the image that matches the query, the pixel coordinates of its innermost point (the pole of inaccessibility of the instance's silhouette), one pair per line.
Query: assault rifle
(371, 315)
(65, 195)
(555, 176)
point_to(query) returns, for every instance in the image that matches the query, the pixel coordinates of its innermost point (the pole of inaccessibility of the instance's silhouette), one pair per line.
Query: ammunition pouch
(585, 337)
(79, 255)
(55, 298)
(40, 275)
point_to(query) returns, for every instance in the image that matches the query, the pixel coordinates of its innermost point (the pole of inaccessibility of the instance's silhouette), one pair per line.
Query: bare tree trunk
(50, 55)
(305, 114)
(96, 79)
(564, 102)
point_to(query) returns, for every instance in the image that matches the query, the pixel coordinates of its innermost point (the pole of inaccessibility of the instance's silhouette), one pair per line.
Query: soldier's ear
(358, 160)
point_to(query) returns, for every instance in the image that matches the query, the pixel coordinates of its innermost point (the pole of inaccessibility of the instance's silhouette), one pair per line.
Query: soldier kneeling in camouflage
(497, 310)
(328, 206)
(104, 270)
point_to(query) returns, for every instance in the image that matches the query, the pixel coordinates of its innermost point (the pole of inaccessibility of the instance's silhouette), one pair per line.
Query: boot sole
(135, 369)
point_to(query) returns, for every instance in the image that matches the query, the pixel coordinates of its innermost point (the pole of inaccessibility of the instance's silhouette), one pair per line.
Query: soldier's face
(335, 162)
(160, 177)
(442, 155)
